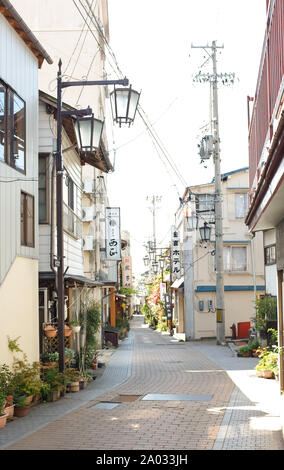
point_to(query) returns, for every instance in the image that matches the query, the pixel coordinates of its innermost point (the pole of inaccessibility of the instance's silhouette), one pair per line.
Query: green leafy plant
(13, 344)
(266, 308)
(268, 359)
(253, 344)
(20, 401)
(50, 357)
(2, 402)
(26, 377)
(74, 323)
(273, 336)
(54, 379)
(6, 380)
(244, 350)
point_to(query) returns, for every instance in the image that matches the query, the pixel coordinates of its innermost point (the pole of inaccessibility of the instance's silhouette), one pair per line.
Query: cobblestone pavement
(159, 394)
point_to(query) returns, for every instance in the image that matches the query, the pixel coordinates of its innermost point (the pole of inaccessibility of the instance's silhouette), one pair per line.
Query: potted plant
(7, 383)
(50, 331)
(268, 364)
(75, 325)
(244, 351)
(22, 407)
(55, 381)
(50, 359)
(3, 414)
(72, 377)
(69, 355)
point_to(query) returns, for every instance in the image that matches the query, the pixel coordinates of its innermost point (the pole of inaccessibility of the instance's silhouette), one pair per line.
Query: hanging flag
(113, 240)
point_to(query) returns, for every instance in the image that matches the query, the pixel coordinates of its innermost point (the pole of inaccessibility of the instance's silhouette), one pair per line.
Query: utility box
(243, 329)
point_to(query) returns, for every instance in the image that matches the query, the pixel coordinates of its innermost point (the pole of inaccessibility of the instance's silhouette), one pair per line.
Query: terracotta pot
(50, 331)
(67, 330)
(29, 399)
(3, 420)
(21, 411)
(267, 374)
(9, 400)
(9, 410)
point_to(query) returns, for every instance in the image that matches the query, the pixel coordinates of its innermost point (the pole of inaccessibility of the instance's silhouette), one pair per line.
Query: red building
(266, 153)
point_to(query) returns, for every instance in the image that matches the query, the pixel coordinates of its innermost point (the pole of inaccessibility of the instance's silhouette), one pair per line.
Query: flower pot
(95, 365)
(53, 395)
(73, 386)
(9, 410)
(83, 384)
(50, 331)
(29, 399)
(3, 420)
(76, 328)
(21, 411)
(67, 330)
(9, 400)
(267, 374)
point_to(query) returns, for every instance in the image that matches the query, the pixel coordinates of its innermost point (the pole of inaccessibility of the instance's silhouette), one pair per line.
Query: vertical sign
(168, 306)
(113, 242)
(127, 272)
(176, 266)
(163, 290)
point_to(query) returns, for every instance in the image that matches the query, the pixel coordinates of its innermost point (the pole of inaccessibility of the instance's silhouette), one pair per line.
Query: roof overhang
(70, 280)
(266, 208)
(17, 23)
(177, 284)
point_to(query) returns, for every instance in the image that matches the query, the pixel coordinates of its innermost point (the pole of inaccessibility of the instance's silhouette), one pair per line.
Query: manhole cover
(176, 397)
(173, 362)
(126, 398)
(105, 405)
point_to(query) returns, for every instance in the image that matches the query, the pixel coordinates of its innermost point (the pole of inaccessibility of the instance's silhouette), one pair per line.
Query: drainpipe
(52, 220)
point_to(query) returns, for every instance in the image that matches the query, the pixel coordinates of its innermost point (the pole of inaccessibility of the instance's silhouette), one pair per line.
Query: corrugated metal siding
(19, 69)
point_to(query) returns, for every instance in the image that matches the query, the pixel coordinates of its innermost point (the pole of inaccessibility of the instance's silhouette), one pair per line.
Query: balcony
(72, 224)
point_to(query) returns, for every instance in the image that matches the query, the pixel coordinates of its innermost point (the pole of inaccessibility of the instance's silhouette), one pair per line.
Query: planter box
(73, 387)
(21, 411)
(3, 420)
(9, 410)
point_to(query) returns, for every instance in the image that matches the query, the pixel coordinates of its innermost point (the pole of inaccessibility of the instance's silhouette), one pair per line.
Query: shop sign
(112, 226)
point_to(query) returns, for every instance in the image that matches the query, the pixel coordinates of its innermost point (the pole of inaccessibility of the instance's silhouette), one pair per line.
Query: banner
(113, 241)
(175, 254)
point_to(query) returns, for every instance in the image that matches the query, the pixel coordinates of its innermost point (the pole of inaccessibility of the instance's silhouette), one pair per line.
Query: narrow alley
(159, 394)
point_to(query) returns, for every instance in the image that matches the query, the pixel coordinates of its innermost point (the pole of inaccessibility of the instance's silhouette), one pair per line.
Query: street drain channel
(176, 397)
(105, 405)
(118, 400)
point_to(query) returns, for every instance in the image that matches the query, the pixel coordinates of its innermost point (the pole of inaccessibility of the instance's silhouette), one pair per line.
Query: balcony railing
(72, 224)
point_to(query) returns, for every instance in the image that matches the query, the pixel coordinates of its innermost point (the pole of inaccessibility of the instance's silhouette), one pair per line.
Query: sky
(152, 41)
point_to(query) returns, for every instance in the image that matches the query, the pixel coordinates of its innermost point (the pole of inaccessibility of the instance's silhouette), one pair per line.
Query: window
(205, 203)
(269, 255)
(43, 188)
(241, 205)
(27, 220)
(235, 258)
(12, 128)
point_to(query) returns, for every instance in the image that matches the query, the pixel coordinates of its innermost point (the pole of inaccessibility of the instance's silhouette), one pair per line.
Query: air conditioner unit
(87, 186)
(88, 243)
(88, 214)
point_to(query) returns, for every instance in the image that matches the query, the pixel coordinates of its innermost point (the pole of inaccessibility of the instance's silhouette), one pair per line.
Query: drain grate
(176, 397)
(173, 362)
(126, 398)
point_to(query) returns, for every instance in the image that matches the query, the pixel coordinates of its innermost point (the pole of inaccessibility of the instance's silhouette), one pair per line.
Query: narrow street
(159, 394)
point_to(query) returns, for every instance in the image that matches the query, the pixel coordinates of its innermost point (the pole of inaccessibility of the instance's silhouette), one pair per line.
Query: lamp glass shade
(124, 102)
(88, 132)
(192, 221)
(205, 232)
(162, 263)
(146, 260)
(155, 267)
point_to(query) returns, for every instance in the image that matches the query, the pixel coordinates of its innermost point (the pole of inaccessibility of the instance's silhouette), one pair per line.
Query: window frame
(9, 94)
(246, 206)
(230, 270)
(45, 156)
(273, 261)
(24, 221)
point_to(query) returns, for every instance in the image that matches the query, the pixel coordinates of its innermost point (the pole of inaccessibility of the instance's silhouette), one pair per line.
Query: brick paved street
(211, 412)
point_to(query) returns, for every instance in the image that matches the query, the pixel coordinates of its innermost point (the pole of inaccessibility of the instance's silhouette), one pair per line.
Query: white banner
(113, 241)
(175, 261)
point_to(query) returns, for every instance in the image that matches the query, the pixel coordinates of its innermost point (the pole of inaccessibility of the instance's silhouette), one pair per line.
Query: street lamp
(192, 221)
(146, 260)
(88, 132)
(155, 266)
(205, 232)
(124, 102)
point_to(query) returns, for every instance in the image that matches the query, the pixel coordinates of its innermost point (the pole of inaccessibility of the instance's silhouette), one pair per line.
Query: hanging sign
(163, 290)
(175, 254)
(112, 225)
(168, 306)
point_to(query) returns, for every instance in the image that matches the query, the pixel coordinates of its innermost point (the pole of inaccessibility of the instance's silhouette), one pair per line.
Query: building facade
(243, 275)
(21, 55)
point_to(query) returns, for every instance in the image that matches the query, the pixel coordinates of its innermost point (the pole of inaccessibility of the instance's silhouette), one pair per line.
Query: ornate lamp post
(88, 133)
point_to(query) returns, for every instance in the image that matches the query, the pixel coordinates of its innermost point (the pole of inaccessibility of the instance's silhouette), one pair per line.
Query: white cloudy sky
(152, 42)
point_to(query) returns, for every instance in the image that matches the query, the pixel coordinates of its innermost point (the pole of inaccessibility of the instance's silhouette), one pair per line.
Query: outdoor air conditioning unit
(88, 214)
(88, 243)
(87, 186)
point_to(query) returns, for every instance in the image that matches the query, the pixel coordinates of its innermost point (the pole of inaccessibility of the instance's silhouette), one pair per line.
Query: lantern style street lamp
(124, 102)
(88, 133)
(155, 266)
(192, 221)
(205, 232)
(162, 263)
(146, 260)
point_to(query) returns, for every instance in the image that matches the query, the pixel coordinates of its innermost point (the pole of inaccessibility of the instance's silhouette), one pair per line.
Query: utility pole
(213, 79)
(154, 199)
